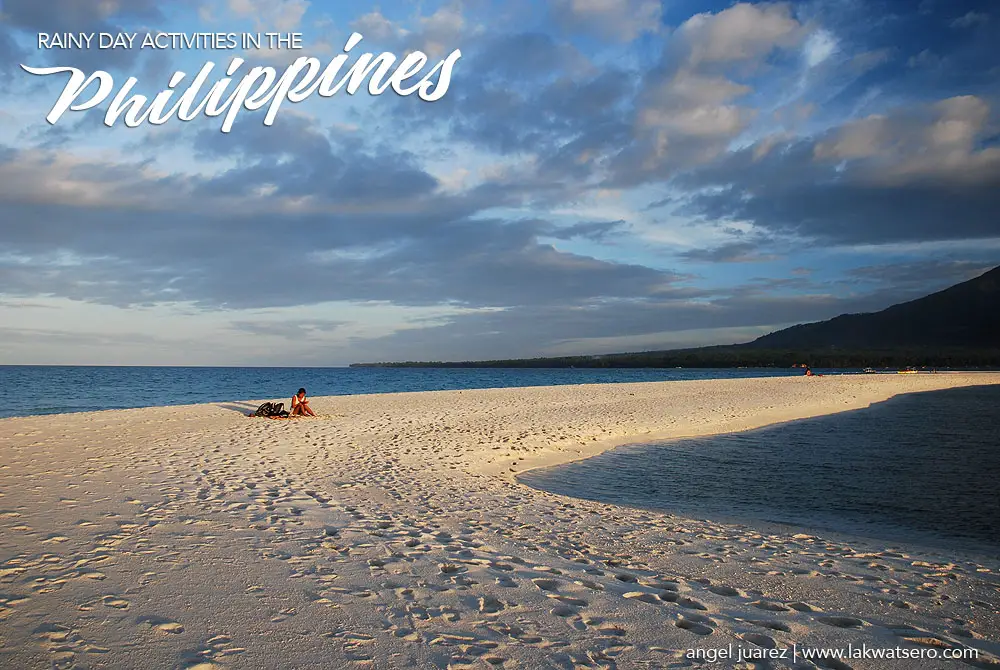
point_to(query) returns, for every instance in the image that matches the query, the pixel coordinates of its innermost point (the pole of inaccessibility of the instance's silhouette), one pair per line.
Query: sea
(54, 389)
(920, 470)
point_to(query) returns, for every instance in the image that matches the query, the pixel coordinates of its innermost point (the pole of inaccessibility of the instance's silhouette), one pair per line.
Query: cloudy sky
(602, 175)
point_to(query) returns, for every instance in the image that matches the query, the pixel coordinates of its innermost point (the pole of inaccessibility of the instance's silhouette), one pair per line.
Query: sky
(600, 176)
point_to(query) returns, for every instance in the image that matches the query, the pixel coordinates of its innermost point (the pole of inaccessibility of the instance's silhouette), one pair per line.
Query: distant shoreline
(742, 356)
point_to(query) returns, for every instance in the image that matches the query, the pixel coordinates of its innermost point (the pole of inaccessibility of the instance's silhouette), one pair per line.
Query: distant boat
(869, 371)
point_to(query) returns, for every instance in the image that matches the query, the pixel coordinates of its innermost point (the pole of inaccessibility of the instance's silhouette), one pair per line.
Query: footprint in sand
(804, 607)
(765, 641)
(602, 628)
(689, 603)
(841, 621)
(769, 606)
(161, 624)
(490, 605)
(723, 590)
(593, 586)
(170, 627)
(696, 623)
(641, 596)
(550, 585)
(771, 625)
(965, 632)
(115, 602)
(683, 601)
(563, 611)
(357, 646)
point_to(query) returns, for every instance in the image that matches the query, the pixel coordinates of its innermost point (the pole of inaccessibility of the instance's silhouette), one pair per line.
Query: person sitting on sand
(300, 406)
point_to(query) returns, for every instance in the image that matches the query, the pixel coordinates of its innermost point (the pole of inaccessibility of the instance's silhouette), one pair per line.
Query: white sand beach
(390, 532)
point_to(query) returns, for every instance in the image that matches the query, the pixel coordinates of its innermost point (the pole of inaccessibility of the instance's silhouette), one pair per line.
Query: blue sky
(602, 175)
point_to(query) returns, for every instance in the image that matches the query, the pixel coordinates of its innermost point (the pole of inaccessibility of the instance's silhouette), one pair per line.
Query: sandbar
(391, 532)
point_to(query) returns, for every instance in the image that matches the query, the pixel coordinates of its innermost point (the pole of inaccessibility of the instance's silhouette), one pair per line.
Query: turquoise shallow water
(921, 469)
(31, 389)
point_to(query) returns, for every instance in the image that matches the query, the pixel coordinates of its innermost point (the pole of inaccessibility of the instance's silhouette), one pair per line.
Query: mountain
(966, 315)
(958, 327)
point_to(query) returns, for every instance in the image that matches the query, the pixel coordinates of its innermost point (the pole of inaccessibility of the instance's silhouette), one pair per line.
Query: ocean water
(921, 469)
(34, 389)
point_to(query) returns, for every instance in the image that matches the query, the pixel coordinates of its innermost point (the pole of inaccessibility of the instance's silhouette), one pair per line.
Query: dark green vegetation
(966, 315)
(958, 327)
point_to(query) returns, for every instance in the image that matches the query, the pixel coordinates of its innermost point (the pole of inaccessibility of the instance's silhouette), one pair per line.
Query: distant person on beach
(300, 406)
(809, 372)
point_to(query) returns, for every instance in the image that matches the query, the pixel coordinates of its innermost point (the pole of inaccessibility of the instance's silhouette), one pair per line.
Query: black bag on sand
(270, 409)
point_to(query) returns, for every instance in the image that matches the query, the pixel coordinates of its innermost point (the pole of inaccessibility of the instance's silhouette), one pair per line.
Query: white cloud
(924, 59)
(619, 20)
(689, 112)
(277, 15)
(741, 33)
(681, 339)
(818, 47)
(436, 34)
(441, 31)
(970, 20)
(939, 141)
(375, 26)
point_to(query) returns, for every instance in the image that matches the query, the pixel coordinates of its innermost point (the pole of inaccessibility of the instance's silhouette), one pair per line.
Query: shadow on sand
(241, 407)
